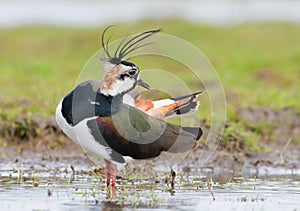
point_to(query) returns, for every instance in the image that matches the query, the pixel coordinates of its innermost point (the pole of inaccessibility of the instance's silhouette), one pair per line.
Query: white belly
(81, 135)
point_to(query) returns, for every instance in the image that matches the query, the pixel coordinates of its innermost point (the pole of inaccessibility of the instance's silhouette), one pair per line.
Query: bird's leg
(111, 169)
(107, 173)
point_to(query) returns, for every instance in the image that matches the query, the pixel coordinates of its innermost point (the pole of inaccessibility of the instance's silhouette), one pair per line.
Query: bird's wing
(131, 132)
(169, 107)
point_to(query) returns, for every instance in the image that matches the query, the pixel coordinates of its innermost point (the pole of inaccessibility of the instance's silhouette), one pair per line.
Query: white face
(119, 79)
(127, 79)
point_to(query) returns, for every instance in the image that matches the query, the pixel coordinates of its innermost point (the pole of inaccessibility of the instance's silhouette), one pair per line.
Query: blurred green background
(258, 64)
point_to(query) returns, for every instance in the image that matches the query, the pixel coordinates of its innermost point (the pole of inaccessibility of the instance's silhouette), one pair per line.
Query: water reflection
(111, 192)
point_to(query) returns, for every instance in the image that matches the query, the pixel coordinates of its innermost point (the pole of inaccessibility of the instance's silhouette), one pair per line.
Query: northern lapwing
(98, 116)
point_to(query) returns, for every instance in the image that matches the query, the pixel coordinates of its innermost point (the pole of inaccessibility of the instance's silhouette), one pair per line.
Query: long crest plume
(126, 46)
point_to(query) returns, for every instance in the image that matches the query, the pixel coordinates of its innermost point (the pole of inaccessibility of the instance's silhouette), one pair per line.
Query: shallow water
(50, 184)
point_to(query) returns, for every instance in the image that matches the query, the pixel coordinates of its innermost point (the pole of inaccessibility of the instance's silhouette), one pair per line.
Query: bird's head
(121, 76)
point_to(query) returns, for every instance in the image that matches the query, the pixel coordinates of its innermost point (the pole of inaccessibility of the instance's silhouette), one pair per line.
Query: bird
(105, 118)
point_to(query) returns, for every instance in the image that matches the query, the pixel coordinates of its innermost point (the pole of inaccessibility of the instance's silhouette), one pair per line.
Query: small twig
(72, 175)
(281, 153)
(209, 185)
(173, 175)
(73, 169)
(49, 192)
(286, 145)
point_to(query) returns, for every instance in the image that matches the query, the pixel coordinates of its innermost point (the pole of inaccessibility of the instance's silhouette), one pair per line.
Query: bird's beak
(143, 84)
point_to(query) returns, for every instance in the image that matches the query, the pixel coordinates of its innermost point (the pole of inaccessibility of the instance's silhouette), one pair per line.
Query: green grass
(258, 64)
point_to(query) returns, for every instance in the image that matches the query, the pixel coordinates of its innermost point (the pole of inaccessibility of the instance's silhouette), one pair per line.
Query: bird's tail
(196, 131)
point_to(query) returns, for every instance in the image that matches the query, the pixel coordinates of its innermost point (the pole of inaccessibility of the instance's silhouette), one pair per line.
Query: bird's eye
(132, 72)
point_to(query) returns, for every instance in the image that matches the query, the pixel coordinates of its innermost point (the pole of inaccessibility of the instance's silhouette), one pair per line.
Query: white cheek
(121, 86)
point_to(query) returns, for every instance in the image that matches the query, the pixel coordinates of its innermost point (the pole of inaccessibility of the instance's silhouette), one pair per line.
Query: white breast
(63, 125)
(81, 135)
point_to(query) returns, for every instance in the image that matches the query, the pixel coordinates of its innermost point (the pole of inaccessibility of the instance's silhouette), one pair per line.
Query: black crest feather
(126, 46)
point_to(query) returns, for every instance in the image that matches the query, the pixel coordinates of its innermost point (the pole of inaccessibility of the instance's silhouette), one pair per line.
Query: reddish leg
(111, 169)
